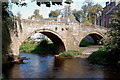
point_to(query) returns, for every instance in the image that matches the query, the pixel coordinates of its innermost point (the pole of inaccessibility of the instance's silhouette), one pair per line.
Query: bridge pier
(13, 55)
(13, 51)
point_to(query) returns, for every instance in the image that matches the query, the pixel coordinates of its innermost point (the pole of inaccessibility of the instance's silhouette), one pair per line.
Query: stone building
(104, 17)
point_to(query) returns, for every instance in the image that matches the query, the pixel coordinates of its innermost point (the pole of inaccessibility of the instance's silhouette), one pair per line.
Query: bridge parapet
(42, 22)
(71, 25)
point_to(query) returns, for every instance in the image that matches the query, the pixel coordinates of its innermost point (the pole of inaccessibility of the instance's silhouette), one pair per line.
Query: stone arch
(96, 36)
(54, 37)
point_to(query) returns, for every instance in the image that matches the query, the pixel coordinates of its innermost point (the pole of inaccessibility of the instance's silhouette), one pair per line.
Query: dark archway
(58, 43)
(91, 39)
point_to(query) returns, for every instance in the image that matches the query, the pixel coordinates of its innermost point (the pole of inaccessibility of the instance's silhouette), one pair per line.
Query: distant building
(104, 17)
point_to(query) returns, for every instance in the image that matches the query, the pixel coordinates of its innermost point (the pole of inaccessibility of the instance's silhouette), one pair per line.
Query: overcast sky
(28, 11)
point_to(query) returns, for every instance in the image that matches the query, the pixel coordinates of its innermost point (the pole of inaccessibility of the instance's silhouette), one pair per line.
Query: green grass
(70, 53)
(28, 47)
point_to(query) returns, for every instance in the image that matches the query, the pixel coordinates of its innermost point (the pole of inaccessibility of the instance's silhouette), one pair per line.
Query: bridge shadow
(45, 48)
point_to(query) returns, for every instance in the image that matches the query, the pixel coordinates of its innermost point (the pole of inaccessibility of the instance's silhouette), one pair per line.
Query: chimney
(107, 3)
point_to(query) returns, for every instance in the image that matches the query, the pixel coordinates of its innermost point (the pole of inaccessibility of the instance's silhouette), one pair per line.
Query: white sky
(28, 11)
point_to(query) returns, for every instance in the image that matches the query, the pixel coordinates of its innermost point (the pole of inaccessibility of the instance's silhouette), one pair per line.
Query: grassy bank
(43, 47)
(71, 53)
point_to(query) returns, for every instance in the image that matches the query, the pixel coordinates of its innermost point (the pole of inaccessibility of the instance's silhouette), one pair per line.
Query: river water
(52, 67)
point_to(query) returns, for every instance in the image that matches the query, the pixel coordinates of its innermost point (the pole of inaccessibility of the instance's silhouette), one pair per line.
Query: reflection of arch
(95, 36)
(55, 38)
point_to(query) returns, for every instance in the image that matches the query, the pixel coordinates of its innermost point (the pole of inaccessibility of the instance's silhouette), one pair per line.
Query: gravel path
(90, 49)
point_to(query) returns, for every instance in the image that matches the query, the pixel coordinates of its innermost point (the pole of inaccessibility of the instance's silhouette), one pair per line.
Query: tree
(67, 8)
(90, 12)
(36, 15)
(54, 13)
(78, 15)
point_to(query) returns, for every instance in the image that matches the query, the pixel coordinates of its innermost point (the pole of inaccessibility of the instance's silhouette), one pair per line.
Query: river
(52, 67)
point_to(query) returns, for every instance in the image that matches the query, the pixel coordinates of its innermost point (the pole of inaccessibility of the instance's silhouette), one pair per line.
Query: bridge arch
(54, 37)
(95, 37)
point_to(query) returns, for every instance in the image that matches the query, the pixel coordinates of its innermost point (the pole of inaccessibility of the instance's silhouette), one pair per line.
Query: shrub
(99, 57)
(43, 43)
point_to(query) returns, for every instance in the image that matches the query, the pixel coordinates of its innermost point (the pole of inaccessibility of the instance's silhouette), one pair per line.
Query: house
(104, 17)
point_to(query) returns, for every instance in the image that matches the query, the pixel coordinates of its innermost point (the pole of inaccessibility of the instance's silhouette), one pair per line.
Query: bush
(44, 43)
(99, 57)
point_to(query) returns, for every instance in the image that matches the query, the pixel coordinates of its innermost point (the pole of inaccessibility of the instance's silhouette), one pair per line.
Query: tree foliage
(77, 14)
(88, 13)
(54, 13)
(37, 15)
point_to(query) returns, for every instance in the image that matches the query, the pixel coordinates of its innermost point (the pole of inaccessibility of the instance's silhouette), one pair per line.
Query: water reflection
(52, 67)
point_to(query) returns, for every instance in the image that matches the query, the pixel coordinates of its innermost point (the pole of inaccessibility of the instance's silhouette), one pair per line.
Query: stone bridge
(65, 36)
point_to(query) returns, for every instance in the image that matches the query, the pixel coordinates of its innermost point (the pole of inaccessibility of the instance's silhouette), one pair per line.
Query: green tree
(54, 13)
(67, 10)
(37, 15)
(77, 14)
(90, 11)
